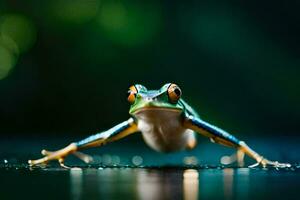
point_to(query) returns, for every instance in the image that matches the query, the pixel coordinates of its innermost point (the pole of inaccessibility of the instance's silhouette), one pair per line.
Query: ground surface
(115, 175)
(148, 183)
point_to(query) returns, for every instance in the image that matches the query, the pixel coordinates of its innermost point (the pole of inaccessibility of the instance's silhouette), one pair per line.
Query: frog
(167, 124)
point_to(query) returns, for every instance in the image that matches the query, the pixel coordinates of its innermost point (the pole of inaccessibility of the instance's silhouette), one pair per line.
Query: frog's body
(162, 130)
(160, 121)
(166, 122)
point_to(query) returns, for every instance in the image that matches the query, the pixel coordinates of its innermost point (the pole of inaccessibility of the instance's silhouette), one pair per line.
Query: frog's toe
(267, 163)
(30, 162)
(275, 164)
(254, 165)
(62, 164)
(45, 152)
(281, 165)
(55, 155)
(43, 160)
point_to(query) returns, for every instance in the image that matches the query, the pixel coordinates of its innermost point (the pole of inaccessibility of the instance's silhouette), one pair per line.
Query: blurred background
(66, 65)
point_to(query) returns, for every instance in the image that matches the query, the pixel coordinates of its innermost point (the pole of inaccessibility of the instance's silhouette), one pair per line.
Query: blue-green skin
(162, 101)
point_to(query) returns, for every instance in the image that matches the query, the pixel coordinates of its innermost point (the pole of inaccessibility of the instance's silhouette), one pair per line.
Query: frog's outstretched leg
(119, 131)
(220, 136)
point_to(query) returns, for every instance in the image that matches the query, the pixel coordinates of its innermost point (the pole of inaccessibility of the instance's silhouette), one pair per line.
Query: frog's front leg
(220, 136)
(119, 131)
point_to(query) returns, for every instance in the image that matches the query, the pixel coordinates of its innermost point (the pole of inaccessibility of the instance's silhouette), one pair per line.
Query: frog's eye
(131, 95)
(174, 93)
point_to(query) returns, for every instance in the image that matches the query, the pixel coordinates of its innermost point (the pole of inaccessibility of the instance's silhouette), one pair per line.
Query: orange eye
(131, 94)
(174, 93)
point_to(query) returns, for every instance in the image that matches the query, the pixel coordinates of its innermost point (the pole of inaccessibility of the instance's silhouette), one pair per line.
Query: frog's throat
(153, 108)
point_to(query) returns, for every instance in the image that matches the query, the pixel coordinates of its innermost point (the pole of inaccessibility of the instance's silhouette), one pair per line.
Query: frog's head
(167, 98)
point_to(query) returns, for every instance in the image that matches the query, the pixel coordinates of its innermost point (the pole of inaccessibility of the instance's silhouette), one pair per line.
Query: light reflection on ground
(148, 183)
(138, 183)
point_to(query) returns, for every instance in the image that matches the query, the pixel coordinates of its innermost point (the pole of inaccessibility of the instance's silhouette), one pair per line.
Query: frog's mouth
(156, 109)
(157, 114)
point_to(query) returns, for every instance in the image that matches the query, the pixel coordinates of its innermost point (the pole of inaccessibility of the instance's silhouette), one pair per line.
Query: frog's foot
(84, 157)
(265, 163)
(60, 160)
(237, 157)
(56, 155)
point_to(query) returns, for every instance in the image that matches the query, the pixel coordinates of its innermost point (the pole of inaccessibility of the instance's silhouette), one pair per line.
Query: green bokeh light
(7, 62)
(20, 29)
(7, 42)
(129, 24)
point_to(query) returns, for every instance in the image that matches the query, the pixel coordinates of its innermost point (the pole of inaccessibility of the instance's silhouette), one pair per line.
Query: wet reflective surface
(149, 183)
(118, 173)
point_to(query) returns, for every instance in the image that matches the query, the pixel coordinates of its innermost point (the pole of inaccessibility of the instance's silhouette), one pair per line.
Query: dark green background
(237, 62)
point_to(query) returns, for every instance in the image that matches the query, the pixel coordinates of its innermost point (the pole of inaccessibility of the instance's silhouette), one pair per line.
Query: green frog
(167, 124)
